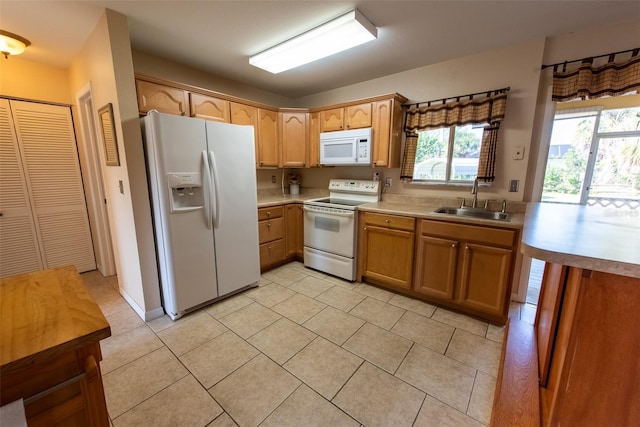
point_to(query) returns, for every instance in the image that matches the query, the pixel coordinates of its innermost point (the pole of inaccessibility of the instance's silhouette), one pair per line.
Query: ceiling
(219, 36)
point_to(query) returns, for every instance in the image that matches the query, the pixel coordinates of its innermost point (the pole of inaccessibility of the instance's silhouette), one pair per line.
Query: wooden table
(50, 348)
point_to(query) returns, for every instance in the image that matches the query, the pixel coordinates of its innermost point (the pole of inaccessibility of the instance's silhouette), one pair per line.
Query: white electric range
(330, 225)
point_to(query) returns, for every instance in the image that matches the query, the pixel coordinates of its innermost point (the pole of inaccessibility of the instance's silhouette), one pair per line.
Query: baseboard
(146, 316)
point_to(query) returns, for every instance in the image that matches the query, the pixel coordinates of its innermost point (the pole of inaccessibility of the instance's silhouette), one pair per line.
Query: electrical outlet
(273, 179)
(387, 182)
(514, 185)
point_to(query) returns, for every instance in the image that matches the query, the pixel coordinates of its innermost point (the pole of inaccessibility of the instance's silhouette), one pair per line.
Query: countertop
(418, 208)
(601, 239)
(44, 314)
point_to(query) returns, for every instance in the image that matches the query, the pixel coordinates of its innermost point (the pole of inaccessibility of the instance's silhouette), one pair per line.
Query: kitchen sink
(475, 213)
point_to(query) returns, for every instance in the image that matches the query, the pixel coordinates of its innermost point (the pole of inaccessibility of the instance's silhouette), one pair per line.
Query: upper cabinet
(343, 118)
(284, 137)
(209, 108)
(268, 152)
(387, 132)
(153, 96)
(293, 139)
(313, 148)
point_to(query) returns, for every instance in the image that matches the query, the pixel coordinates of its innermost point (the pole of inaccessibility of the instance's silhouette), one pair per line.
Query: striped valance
(589, 82)
(476, 110)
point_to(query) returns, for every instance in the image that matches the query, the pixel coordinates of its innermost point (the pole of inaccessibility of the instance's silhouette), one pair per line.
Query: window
(594, 157)
(449, 154)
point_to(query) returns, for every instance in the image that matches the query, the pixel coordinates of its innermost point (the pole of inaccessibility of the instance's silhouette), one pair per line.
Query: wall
(30, 80)
(515, 66)
(105, 61)
(155, 66)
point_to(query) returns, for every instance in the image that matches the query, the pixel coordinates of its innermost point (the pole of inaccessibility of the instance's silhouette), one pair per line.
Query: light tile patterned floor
(303, 349)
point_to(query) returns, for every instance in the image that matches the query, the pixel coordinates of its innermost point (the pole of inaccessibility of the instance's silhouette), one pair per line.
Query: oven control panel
(354, 186)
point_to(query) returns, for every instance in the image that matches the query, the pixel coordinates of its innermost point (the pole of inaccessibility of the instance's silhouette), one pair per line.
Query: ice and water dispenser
(186, 191)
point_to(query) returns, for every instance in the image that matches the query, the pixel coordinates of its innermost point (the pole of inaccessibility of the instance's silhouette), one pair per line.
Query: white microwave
(346, 147)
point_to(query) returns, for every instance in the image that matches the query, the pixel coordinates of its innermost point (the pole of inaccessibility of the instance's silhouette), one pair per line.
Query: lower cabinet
(466, 267)
(386, 245)
(294, 230)
(271, 236)
(280, 234)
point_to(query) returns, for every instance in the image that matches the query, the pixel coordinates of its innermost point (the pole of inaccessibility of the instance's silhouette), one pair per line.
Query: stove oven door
(330, 230)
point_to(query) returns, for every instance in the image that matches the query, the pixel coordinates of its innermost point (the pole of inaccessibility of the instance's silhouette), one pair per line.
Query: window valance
(479, 108)
(588, 81)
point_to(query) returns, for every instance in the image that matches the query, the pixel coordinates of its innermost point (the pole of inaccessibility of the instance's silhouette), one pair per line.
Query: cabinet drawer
(271, 230)
(470, 233)
(270, 213)
(271, 253)
(390, 221)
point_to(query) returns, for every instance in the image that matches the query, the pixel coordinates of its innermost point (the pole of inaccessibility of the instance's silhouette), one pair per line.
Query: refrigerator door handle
(216, 192)
(206, 182)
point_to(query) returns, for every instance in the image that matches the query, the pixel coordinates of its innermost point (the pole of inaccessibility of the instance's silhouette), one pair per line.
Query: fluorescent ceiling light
(342, 33)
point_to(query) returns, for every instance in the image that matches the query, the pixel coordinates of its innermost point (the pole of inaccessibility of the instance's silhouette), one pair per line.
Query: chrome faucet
(474, 191)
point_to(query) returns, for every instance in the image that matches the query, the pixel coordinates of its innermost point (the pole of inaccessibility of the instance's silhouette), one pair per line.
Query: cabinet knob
(269, 225)
(466, 247)
(364, 228)
(261, 163)
(269, 248)
(453, 245)
(387, 221)
(269, 214)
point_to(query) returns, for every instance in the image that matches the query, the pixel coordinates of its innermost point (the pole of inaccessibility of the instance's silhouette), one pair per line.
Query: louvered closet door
(19, 252)
(50, 160)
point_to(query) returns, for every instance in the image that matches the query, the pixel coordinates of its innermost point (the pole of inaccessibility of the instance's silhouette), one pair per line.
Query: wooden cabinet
(313, 148)
(343, 118)
(467, 267)
(293, 139)
(268, 151)
(386, 244)
(209, 108)
(281, 234)
(387, 132)
(166, 99)
(592, 374)
(271, 236)
(50, 349)
(294, 232)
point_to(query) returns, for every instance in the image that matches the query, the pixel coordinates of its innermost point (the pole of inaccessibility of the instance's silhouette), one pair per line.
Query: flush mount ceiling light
(342, 33)
(12, 44)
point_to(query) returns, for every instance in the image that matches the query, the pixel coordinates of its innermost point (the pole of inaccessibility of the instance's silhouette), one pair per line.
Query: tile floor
(302, 349)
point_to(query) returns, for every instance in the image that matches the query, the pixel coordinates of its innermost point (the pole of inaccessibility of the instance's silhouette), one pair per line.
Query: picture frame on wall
(107, 126)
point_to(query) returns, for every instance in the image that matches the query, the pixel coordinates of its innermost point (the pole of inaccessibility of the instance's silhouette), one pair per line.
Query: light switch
(121, 186)
(518, 152)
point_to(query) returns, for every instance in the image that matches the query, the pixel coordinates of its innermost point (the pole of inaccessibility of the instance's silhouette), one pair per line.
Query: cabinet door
(485, 278)
(388, 255)
(314, 140)
(267, 154)
(47, 145)
(153, 96)
(436, 266)
(294, 230)
(381, 133)
(332, 120)
(271, 253)
(19, 247)
(209, 108)
(357, 116)
(245, 115)
(293, 139)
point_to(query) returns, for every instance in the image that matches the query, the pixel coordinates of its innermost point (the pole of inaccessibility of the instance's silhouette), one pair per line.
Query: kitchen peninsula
(578, 363)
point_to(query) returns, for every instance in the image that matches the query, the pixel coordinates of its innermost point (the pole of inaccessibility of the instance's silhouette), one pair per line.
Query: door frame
(92, 156)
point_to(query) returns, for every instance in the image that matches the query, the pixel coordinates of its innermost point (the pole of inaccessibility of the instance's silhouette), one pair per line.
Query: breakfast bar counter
(578, 363)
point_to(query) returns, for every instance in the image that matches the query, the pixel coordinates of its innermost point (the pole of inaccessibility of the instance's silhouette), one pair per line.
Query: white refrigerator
(202, 180)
